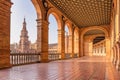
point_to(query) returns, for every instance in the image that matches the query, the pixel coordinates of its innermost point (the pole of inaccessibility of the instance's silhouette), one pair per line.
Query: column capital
(41, 22)
(60, 31)
(70, 35)
(107, 37)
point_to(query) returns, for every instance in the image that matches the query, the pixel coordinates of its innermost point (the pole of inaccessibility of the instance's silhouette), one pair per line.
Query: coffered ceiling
(85, 13)
(94, 32)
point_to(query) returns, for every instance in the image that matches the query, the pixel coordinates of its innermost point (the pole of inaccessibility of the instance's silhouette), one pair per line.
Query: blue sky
(25, 8)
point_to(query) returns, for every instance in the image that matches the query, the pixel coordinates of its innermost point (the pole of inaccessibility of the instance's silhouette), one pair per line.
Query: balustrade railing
(76, 55)
(24, 58)
(54, 56)
(67, 55)
(27, 58)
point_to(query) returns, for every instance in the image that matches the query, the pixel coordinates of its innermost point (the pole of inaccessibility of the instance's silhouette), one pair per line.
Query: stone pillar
(61, 42)
(117, 20)
(107, 45)
(118, 59)
(114, 55)
(118, 51)
(103, 49)
(93, 50)
(76, 45)
(90, 48)
(81, 46)
(97, 50)
(5, 33)
(71, 45)
(42, 39)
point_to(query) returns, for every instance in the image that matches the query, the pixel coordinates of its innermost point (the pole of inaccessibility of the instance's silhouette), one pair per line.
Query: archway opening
(53, 37)
(23, 27)
(76, 43)
(23, 34)
(67, 54)
(99, 46)
(94, 43)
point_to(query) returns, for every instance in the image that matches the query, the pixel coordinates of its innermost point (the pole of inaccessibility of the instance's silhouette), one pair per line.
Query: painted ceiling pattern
(85, 13)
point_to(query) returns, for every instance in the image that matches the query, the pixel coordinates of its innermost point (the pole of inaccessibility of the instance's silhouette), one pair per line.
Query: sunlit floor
(85, 68)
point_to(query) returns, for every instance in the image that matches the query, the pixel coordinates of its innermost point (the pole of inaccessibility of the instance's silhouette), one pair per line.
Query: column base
(5, 58)
(44, 61)
(118, 66)
(5, 66)
(44, 57)
(71, 55)
(62, 58)
(114, 62)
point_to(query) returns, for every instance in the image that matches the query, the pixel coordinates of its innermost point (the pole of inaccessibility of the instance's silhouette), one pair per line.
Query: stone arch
(69, 25)
(112, 55)
(76, 31)
(39, 9)
(55, 13)
(102, 28)
(92, 39)
(76, 42)
(117, 55)
(84, 30)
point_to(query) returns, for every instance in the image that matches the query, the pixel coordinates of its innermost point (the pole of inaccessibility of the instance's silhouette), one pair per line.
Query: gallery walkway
(85, 68)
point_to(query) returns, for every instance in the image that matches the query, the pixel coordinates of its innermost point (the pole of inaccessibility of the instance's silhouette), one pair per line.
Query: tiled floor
(85, 68)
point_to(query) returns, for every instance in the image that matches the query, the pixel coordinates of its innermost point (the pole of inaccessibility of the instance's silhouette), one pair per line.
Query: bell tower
(24, 42)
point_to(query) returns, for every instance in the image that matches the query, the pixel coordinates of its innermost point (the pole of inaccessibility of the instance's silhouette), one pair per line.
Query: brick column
(42, 39)
(97, 50)
(107, 45)
(114, 55)
(71, 45)
(102, 49)
(118, 59)
(90, 48)
(61, 42)
(118, 51)
(5, 33)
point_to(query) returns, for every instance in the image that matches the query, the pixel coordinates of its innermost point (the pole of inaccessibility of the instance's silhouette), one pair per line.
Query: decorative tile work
(85, 12)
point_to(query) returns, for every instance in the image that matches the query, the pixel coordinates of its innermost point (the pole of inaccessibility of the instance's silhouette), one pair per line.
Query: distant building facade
(53, 48)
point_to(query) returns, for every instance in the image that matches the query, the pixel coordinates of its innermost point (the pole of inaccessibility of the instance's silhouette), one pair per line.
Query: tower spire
(24, 24)
(24, 21)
